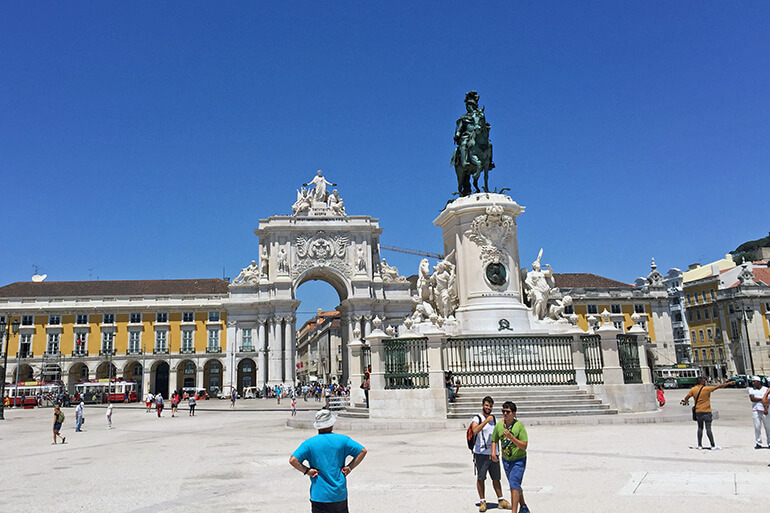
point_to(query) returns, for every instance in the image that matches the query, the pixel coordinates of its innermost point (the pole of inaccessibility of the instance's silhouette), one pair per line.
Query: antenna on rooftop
(36, 277)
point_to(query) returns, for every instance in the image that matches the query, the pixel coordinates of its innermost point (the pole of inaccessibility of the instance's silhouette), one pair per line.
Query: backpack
(470, 436)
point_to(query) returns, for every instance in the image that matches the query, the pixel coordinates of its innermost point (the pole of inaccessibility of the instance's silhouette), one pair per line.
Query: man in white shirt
(757, 393)
(482, 425)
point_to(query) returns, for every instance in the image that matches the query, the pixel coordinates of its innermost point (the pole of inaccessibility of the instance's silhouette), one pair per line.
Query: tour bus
(97, 390)
(29, 390)
(677, 376)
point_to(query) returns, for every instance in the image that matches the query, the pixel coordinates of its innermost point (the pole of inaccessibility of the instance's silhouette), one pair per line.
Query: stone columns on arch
(275, 354)
(262, 349)
(289, 352)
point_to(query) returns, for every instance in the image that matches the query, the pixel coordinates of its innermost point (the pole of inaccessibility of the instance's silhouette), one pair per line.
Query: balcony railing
(187, 350)
(247, 349)
(79, 353)
(107, 352)
(160, 350)
(130, 351)
(212, 349)
(54, 352)
(26, 354)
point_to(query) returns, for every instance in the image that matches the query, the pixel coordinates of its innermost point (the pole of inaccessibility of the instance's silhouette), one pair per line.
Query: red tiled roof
(26, 289)
(587, 281)
(762, 274)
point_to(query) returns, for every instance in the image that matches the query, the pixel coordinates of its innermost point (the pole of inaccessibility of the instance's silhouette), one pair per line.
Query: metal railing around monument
(510, 361)
(594, 360)
(628, 354)
(406, 363)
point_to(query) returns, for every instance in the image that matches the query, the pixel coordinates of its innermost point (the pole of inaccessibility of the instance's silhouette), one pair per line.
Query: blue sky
(145, 140)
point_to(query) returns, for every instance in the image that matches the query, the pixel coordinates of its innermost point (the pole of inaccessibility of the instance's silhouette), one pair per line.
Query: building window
(26, 345)
(593, 309)
(213, 340)
(615, 309)
(697, 314)
(569, 310)
(213, 316)
(719, 334)
(81, 343)
(703, 296)
(247, 366)
(689, 315)
(703, 354)
(81, 319)
(706, 313)
(639, 309)
(135, 318)
(692, 336)
(54, 320)
(27, 320)
(108, 341)
(711, 293)
(715, 312)
(189, 368)
(161, 340)
(700, 336)
(108, 319)
(161, 317)
(188, 317)
(246, 340)
(53, 343)
(734, 329)
(731, 309)
(134, 341)
(711, 354)
(689, 299)
(618, 325)
(188, 344)
(695, 355)
(721, 354)
(709, 334)
(215, 368)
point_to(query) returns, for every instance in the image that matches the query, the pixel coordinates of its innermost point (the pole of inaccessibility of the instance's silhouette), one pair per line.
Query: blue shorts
(56, 427)
(514, 471)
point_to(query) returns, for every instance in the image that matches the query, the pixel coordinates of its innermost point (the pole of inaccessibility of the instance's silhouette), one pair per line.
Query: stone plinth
(480, 234)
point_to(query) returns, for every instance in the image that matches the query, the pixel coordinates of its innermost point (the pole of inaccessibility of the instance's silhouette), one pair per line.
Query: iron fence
(510, 361)
(366, 358)
(594, 360)
(406, 363)
(628, 354)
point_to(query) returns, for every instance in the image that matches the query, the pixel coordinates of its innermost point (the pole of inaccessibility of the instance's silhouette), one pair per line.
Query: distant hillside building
(319, 349)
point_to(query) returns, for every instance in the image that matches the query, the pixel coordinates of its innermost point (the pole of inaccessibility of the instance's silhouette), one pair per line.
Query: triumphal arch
(318, 241)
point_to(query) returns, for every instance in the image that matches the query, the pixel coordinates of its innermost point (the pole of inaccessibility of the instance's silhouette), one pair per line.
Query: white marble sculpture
(249, 274)
(539, 286)
(361, 258)
(263, 262)
(436, 293)
(390, 273)
(283, 261)
(556, 309)
(336, 204)
(492, 231)
(303, 202)
(319, 193)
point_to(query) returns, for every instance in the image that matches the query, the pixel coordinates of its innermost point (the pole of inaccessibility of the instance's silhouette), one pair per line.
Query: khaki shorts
(484, 463)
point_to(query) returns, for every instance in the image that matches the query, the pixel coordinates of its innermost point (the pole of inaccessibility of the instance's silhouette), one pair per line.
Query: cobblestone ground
(237, 461)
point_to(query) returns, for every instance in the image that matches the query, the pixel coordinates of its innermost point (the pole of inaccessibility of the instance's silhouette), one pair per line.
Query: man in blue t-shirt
(325, 454)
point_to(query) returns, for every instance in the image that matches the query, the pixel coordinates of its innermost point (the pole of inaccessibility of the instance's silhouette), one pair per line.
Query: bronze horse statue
(478, 152)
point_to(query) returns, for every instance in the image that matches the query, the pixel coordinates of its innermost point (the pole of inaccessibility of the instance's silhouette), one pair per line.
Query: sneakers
(716, 448)
(758, 446)
(483, 506)
(503, 504)
(700, 447)
(524, 509)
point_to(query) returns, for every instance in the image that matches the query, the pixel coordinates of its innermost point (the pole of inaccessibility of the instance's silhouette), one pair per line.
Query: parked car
(741, 381)
(252, 392)
(199, 393)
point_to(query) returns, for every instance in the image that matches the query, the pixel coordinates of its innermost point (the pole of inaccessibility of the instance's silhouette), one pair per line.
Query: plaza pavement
(237, 461)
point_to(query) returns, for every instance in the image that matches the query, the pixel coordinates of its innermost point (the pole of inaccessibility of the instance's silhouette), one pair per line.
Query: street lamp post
(744, 315)
(5, 337)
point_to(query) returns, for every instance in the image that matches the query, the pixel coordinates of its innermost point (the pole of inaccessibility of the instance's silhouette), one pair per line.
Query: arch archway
(186, 375)
(212, 376)
(78, 372)
(247, 374)
(106, 370)
(133, 370)
(159, 376)
(25, 373)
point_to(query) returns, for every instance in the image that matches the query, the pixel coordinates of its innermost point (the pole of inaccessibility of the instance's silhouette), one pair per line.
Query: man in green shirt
(512, 437)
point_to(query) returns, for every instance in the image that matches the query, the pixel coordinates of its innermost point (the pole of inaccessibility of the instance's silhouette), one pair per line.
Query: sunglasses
(506, 411)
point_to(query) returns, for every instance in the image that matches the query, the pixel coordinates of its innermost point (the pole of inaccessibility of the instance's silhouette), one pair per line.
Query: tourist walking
(233, 397)
(58, 420)
(511, 436)
(325, 455)
(148, 400)
(191, 402)
(293, 406)
(79, 416)
(483, 425)
(702, 409)
(174, 403)
(109, 415)
(758, 393)
(449, 383)
(366, 385)
(159, 404)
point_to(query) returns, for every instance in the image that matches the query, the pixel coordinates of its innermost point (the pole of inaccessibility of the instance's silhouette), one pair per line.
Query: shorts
(483, 463)
(56, 427)
(703, 416)
(514, 471)
(329, 507)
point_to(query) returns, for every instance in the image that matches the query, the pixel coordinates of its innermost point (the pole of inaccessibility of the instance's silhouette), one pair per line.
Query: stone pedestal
(480, 235)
